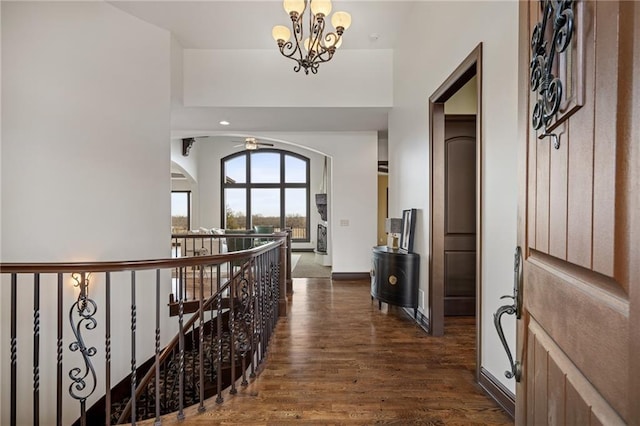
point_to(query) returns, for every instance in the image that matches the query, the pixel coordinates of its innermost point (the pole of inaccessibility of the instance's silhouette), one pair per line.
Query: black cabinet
(394, 277)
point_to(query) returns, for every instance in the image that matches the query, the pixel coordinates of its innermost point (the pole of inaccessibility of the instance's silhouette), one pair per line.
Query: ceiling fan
(253, 144)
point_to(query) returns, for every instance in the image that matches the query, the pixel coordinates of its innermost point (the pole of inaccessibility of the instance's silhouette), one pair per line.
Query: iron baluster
(14, 347)
(157, 378)
(232, 338)
(86, 309)
(133, 348)
(201, 340)
(36, 349)
(180, 414)
(107, 347)
(59, 355)
(219, 398)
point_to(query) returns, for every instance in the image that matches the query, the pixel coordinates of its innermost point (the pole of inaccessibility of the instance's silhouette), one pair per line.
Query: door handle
(515, 308)
(518, 275)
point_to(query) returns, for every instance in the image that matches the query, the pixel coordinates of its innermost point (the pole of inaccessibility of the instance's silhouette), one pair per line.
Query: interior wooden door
(460, 215)
(578, 219)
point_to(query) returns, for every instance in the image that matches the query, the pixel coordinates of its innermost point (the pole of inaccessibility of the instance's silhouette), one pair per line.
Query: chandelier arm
(326, 53)
(315, 36)
(332, 36)
(288, 49)
(320, 59)
(288, 46)
(313, 27)
(298, 30)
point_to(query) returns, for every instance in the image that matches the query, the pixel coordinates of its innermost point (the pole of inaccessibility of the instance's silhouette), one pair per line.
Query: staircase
(222, 337)
(170, 371)
(227, 348)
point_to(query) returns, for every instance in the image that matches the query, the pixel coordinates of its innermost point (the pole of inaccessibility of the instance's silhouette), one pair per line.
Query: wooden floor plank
(337, 359)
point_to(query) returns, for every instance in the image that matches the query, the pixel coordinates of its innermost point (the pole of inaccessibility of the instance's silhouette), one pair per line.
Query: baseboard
(498, 392)
(421, 319)
(300, 250)
(350, 276)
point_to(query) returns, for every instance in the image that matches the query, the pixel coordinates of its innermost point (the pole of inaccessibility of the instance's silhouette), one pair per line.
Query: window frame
(248, 185)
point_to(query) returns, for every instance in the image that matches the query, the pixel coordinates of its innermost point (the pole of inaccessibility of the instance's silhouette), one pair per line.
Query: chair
(238, 243)
(263, 229)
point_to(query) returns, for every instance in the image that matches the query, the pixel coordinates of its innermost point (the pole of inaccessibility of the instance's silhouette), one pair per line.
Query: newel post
(283, 267)
(289, 280)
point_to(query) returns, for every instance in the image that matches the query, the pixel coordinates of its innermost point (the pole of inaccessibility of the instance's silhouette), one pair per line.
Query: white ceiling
(240, 24)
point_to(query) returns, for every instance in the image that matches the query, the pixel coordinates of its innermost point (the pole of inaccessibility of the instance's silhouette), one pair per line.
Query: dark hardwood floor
(337, 359)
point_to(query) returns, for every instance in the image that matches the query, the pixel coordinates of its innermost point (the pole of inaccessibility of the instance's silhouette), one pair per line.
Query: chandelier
(317, 47)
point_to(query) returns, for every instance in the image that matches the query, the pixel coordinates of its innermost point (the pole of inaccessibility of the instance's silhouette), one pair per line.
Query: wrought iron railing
(203, 244)
(74, 327)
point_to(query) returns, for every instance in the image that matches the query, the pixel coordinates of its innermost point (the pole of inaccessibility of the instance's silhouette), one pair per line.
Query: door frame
(633, 14)
(471, 66)
(523, 176)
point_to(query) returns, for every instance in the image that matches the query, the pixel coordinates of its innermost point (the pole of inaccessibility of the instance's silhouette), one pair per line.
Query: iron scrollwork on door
(515, 308)
(558, 17)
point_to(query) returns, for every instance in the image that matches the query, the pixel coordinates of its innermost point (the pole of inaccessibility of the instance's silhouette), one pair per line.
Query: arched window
(266, 187)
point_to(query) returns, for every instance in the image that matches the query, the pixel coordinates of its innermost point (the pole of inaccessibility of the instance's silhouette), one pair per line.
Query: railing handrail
(132, 265)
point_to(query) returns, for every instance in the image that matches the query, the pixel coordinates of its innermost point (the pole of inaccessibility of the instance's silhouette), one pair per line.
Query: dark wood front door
(460, 215)
(578, 222)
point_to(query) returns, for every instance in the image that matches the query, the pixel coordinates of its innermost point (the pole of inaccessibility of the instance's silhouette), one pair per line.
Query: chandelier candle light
(317, 47)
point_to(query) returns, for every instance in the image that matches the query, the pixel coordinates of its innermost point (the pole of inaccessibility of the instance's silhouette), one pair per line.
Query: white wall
(176, 72)
(264, 78)
(85, 102)
(418, 71)
(352, 195)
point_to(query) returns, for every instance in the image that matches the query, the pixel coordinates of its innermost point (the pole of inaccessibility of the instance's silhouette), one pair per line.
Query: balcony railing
(113, 342)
